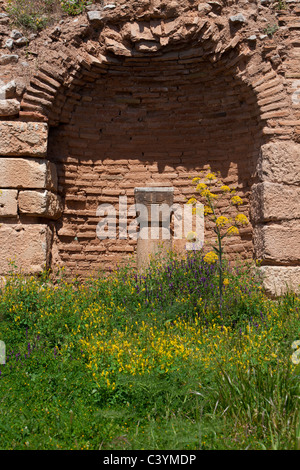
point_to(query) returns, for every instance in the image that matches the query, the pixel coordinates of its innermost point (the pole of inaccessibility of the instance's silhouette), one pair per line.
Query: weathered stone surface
(30, 173)
(6, 59)
(23, 41)
(26, 245)
(147, 46)
(204, 8)
(9, 107)
(278, 243)
(110, 6)
(8, 90)
(274, 202)
(8, 203)
(23, 138)
(117, 48)
(9, 44)
(237, 19)
(139, 32)
(277, 280)
(280, 162)
(40, 203)
(16, 34)
(95, 17)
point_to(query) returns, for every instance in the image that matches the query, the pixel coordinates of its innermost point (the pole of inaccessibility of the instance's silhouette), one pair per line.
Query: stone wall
(132, 94)
(152, 122)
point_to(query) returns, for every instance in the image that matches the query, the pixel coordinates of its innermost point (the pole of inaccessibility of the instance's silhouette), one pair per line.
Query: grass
(35, 15)
(128, 362)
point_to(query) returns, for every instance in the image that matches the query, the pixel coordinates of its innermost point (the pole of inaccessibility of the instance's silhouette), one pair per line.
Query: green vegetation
(74, 7)
(218, 199)
(34, 15)
(270, 30)
(281, 5)
(147, 362)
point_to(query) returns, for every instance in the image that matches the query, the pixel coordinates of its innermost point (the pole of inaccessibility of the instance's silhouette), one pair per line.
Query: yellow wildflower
(207, 210)
(210, 176)
(241, 219)
(208, 194)
(201, 187)
(211, 257)
(225, 188)
(192, 201)
(222, 221)
(236, 200)
(233, 230)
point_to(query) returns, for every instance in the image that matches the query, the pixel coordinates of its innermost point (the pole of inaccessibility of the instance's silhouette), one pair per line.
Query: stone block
(6, 59)
(95, 17)
(8, 203)
(278, 280)
(27, 173)
(28, 246)
(9, 108)
(40, 203)
(8, 90)
(238, 19)
(277, 243)
(280, 163)
(274, 202)
(23, 138)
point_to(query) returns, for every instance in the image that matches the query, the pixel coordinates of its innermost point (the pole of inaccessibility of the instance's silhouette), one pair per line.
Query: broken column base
(279, 280)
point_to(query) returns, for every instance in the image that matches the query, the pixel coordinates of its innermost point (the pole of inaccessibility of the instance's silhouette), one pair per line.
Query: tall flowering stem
(211, 190)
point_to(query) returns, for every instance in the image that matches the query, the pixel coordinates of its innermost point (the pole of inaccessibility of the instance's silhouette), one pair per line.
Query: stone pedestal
(154, 209)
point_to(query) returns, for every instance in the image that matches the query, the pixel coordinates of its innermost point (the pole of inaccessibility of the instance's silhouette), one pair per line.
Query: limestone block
(8, 203)
(278, 243)
(28, 246)
(40, 203)
(238, 19)
(277, 280)
(6, 59)
(280, 162)
(274, 201)
(9, 108)
(8, 90)
(95, 17)
(27, 173)
(23, 138)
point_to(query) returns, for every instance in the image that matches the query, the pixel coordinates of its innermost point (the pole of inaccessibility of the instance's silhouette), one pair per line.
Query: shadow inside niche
(159, 124)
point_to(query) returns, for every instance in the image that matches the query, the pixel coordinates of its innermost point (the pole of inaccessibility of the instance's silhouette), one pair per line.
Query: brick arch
(81, 197)
(53, 96)
(180, 38)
